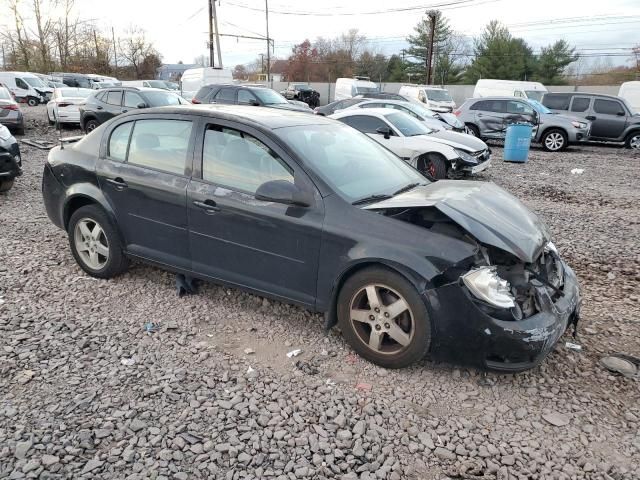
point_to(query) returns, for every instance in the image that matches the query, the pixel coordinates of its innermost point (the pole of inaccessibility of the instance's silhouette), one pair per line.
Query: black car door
(143, 170)
(265, 246)
(608, 119)
(110, 106)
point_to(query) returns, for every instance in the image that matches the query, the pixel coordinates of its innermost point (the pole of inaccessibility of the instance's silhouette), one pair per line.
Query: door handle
(98, 107)
(125, 111)
(209, 206)
(590, 117)
(117, 182)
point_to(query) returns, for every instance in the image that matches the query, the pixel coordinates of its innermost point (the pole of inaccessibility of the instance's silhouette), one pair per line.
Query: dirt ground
(85, 392)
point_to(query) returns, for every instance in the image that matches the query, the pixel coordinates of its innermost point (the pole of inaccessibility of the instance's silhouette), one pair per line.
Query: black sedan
(310, 211)
(10, 161)
(110, 102)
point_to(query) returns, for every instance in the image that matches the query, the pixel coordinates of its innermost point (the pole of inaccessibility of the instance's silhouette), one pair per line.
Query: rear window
(580, 104)
(226, 95)
(556, 102)
(607, 107)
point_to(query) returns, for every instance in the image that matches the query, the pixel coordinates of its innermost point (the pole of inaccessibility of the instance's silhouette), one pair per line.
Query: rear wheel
(633, 141)
(6, 185)
(91, 125)
(554, 140)
(51, 122)
(472, 130)
(383, 318)
(32, 101)
(95, 243)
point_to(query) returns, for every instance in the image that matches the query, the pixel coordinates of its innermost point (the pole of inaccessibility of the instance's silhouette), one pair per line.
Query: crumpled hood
(451, 119)
(487, 212)
(290, 106)
(469, 142)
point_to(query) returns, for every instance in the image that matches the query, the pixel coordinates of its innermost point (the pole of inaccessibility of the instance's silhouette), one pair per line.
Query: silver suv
(489, 117)
(611, 117)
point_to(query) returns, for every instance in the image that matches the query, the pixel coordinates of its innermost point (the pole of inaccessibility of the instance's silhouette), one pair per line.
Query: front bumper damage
(470, 332)
(482, 161)
(10, 160)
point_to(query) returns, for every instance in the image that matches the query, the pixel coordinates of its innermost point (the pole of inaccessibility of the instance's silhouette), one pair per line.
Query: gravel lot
(85, 392)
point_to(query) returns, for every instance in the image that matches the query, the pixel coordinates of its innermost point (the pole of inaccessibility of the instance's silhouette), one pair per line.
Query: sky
(179, 29)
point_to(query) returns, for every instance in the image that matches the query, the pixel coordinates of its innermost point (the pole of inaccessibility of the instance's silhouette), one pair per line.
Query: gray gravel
(86, 393)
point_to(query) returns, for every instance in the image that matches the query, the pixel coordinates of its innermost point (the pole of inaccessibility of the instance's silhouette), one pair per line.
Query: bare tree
(135, 49)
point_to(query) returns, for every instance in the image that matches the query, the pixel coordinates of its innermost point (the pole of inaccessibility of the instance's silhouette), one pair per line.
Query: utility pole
(115, 53)
(266, 10)
(262, 63)
(432, 21)
(211, 58)
(215, 20)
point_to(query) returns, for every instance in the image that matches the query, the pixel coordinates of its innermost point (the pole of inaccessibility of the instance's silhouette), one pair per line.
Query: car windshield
(302, 88)
(538, 107)
(360, 90)
(171, 85)
(161, 99)
(419, 109)
(351, 163)
(438, 95)
(75, 92)
(269, 97)
(535, 94)
(4, 94)
(408, 126)
(34, 82)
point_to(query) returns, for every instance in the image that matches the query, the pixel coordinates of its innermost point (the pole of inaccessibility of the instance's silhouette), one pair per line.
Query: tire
(472, 130)
(554, 140)
(105, 244)
(6, 185)
(434, 166)
(91, 125)
(32, 102)
(19, 131)
(633, 141)
(411, 325)
(51, 122)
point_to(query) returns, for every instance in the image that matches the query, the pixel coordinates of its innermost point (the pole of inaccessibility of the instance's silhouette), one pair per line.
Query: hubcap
(91, 243)
(635, 142)
(382, 319)
(554, 141)
(91, 126)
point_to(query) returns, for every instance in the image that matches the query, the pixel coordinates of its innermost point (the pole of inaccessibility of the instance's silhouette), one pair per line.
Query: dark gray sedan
(10, 113)
(309, 211)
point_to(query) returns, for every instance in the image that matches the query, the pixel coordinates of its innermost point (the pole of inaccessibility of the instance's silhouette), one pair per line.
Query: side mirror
(254, 103)
(621, 114)
(282, 191)
(141, 105)
(386, 131)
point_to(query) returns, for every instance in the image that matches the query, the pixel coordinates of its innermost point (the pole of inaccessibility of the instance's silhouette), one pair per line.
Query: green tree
(372, 65)
(396, 69)
(419, 42)
(552, 62)
(499, 55)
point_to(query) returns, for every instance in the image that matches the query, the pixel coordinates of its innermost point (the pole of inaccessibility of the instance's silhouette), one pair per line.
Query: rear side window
(101, 96)
(556, 102)
(497, 106)
(580, 104)
(119, 141)
(607, 107)
(160, 144)
(364, 123)
(519, 108)
(114, 97)
(239, 161)
(227, 95)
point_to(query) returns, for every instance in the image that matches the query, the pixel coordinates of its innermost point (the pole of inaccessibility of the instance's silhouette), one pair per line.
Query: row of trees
(48, 35)
(496, 53)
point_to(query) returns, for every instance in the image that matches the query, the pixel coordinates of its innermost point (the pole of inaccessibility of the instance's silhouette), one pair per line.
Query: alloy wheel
(554, 141)
(91, 243)
(382, 319)
(91, 126)
(635, 142)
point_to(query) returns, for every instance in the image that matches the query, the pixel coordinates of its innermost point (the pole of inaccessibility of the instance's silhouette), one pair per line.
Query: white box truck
(509, 88)
(630, 91)
(352, 87)
(195, 78)
(434, 98)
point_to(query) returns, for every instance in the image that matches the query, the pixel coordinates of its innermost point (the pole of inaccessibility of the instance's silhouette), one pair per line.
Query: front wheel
(32, 102)
(6, 185)
(472, 130)
(554, 140)
(433, 165)
(95, 243)
(633, 141)
(91, 125)
(383, 318)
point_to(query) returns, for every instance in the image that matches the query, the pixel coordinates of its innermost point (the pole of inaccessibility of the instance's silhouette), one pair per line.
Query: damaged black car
(309, 211)
(10, 160)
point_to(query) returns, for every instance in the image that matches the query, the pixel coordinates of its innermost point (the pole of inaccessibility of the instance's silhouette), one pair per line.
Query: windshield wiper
(371, 198)
(411, 186)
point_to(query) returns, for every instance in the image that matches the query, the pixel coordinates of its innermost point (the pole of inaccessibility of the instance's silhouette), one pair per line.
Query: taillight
(457, 112)
(195, 101)
(11, 106)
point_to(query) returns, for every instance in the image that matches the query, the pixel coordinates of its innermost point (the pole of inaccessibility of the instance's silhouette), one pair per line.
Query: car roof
(268, 118)
(585, 94)
(504, 97)
(370, 112)
(392, 101)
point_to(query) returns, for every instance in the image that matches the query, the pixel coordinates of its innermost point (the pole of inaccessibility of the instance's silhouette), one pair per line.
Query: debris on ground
(186, 285)
(128, 362)
(363, 387)
(294, 353)
(249, 351)
(556, 419)
(577, 171)
(307, 367)
(40, 144)
(622, 364)
(573, 346)
(151, 327)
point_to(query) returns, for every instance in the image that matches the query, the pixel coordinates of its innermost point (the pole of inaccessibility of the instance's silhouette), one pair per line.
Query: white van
(26, 87)
(352, 87)
(195, 78)
(630, 91)
(509, 88)
(434, 98)
(145, 83)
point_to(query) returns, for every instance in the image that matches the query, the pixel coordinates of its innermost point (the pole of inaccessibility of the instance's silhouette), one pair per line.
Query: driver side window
(245, 97)
(365, 124)
(519, 108)
(21, 84)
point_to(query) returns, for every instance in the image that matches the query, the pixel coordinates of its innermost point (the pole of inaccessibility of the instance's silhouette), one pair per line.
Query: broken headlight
(465, 156)
(486, 285)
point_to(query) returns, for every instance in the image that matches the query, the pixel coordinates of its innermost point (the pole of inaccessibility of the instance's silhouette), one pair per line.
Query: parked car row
(10, 160)
(309, 210)
(10, 113)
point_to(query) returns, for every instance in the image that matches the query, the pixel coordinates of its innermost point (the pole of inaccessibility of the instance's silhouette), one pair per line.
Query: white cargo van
(352, 87)
(630, 91)
(509, 88)
(434, 98)
(26, 87)
(195, 78)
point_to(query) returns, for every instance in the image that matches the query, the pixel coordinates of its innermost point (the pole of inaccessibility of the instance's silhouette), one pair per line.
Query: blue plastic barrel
(517, 142)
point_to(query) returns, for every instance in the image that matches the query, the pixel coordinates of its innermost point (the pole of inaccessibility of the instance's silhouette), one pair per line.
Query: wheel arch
(554, 128)
(82, 195)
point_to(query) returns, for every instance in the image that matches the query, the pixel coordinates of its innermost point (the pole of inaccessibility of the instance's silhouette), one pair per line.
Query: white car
(64, 104)
(412, 141)
(434, 98)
